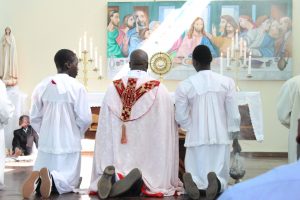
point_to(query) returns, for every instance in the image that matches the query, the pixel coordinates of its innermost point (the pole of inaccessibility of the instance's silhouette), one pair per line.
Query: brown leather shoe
(190, 186)
(30, 184)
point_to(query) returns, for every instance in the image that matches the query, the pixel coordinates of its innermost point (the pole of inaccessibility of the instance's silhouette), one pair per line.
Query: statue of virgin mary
(8, 59)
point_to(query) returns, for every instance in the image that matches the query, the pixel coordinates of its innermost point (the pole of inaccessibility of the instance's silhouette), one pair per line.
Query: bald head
(138, 60)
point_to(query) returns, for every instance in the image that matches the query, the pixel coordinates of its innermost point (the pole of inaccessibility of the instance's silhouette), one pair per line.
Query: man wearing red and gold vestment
(136, 137)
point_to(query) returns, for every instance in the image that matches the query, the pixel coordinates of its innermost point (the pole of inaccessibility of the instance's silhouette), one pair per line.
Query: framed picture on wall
(249, 40)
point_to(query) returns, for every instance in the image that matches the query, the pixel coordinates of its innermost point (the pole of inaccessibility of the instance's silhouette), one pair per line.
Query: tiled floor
(15, 175)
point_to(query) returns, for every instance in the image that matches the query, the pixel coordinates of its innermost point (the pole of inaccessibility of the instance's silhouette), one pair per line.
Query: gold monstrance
(160, 63)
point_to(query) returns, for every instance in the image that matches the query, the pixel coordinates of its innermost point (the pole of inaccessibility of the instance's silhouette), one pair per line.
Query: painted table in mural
(261, 69)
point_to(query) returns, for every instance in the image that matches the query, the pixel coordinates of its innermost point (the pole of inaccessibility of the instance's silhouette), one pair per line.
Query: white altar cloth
(253, 100)
(255, 108)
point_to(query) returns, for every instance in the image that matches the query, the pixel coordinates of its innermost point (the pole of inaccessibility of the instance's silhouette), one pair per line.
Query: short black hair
(202, 56)
(62, 57)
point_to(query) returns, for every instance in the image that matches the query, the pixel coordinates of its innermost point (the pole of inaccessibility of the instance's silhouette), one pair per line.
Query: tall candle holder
(237, 60)
(89, 59)
(237, 170)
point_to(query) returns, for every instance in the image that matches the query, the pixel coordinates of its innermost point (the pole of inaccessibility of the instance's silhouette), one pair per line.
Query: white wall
(41, 27)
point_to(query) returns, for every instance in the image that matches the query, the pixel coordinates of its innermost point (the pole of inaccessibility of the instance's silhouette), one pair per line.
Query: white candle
(96, 63)
(232, 47)
(96, 57)
(249, 63)
(241, 47)
(91, 48)
(227, 57)
(245, 52)
(79, 48)
(100, 66)
(84, 42)
(237, 39)
(221, 64)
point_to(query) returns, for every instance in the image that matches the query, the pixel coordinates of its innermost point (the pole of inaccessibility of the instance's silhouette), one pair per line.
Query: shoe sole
(125, 184)
(190, 186)
(212, 189)
(104, 184)
(29, 184)
(46, 183)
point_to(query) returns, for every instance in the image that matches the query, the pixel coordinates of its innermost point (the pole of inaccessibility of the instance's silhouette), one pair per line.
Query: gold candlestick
(89, 59)
(87, 65)
(85, 62)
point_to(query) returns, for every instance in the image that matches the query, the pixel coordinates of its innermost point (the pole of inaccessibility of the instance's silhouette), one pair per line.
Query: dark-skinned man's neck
(62, 72)
(204, 68)
(145, 70)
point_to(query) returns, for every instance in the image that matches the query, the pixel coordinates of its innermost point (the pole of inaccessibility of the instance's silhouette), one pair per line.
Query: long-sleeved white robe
(152, 144)
(288, 112)
(6, 112)
(60, 113)
(207, 108)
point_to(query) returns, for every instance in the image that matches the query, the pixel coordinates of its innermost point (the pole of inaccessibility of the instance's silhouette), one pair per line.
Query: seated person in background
(24, 137)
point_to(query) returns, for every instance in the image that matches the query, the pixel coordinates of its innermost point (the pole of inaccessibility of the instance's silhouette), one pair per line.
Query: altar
(249, 106)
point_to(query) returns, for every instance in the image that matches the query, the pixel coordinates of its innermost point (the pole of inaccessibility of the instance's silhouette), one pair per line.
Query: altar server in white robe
(288, 112)
(206, 107)
(60, 113)
(6, 112)
(136, 135)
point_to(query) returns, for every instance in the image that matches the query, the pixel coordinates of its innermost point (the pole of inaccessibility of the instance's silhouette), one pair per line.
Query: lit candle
(221, 64)
(237, 39)
(84, 42)
(232, 47)
(100, 66)
(91, 48)
(249, 64)
(227, 57)
(79, 48)
(245, 52)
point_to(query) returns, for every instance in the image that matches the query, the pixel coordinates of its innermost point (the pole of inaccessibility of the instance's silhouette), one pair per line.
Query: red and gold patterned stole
(129, 96)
